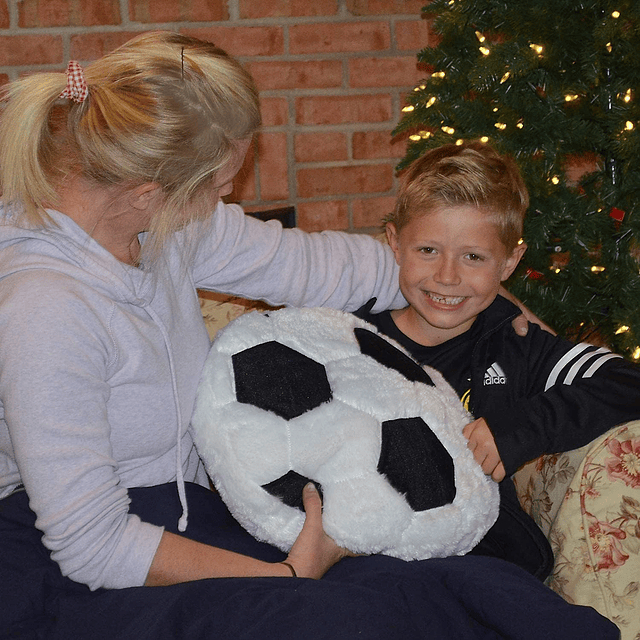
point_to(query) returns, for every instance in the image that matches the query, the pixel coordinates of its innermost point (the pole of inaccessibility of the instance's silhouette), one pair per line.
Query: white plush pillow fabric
(295, 395)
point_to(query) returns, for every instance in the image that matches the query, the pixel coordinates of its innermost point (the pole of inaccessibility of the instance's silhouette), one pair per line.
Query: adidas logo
(494, 375)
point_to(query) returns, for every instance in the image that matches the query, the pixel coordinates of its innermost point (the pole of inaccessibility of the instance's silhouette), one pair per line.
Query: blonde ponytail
(27, 146)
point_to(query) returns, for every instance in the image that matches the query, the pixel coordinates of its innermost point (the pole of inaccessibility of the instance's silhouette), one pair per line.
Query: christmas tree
(556, 85)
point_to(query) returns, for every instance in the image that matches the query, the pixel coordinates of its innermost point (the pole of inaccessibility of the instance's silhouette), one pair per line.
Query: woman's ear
(144, 195)
(513, 260)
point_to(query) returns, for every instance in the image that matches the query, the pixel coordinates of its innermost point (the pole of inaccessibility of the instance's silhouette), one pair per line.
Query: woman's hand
(521, 323)
(314, 552)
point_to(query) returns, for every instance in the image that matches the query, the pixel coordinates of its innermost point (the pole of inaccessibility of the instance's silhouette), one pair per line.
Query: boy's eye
(427, 250)
(474, 257)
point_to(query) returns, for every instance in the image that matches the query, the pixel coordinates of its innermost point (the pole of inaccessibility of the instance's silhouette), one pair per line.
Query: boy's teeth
(446, 299)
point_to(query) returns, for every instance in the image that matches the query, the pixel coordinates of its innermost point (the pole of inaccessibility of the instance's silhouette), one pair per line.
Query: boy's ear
(513, 260)
(392, 237)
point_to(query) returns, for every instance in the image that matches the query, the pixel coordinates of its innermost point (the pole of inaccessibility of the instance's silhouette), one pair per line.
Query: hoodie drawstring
(184, 518)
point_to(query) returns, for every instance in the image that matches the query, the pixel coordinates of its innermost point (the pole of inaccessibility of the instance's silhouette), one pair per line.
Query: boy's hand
(484, 449)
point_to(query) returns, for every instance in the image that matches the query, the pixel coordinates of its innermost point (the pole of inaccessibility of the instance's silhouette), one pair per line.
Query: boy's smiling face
(452, 262)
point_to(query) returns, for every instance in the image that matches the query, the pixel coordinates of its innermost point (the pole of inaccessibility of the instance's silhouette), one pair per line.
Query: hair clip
(76, 88)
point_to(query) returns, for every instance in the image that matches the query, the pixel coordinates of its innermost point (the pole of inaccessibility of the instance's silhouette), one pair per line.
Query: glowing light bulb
(520, 125)
(484, 139)
(500, 125)
(609, 47)
(408, 108)
(597, 269)
(484, 51)
(415, 137)
(636, 354)
(627, 96)
(570, 97)
(480, 37)
(555, 180)
(449, 130)
(629, 125)
(521, 241)
(425, 134)
(615, 14)
(438, 74)
(430, 101)
(505, 77)
(538, 48)
(459, 142)
(622, 329)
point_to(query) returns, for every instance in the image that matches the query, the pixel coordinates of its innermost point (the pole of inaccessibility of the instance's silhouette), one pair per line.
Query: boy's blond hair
(458, 175)
(163, 108)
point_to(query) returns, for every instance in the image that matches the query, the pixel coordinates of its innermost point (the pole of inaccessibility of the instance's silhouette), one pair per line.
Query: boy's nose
(447, 272)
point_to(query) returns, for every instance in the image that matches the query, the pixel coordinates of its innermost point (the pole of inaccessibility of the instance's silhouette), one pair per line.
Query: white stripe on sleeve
(573, 372)
(601, 354)
(598, 363)
(563, 362)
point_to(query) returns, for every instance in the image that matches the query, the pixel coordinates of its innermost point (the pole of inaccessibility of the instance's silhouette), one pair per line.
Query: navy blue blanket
(377, 597)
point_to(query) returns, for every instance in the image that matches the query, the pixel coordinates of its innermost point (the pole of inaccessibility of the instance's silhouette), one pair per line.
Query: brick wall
(332, 76)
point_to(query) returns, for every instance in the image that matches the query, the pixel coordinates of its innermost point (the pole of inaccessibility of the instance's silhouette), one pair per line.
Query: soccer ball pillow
(300, 395)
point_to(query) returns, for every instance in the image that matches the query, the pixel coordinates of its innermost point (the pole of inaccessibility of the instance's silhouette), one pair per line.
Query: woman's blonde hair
(163, 108)
(458, 175)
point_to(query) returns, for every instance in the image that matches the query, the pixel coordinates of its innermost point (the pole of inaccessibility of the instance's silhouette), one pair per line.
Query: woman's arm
(180, 559)
(243, 256)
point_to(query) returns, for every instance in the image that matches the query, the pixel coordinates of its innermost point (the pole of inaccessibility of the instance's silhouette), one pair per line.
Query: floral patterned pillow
(588, 503)
(219, 309)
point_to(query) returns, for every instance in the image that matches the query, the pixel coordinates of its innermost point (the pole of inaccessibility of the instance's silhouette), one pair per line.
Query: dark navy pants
(368, 598)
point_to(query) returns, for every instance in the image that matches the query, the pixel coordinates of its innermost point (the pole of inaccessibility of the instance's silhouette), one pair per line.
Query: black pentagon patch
(416, 463)
(371, 344)
(274, 377)
(289, 488)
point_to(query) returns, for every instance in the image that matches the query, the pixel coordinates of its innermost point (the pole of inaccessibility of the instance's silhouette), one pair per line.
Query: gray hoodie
(100, 362)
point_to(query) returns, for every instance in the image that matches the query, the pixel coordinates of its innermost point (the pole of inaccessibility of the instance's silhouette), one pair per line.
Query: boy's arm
(576, 393)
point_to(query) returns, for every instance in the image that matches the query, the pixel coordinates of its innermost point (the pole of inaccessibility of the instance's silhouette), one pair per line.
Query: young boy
(456, 234)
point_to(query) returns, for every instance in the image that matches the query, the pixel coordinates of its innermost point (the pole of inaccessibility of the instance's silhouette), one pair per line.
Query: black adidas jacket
(542, 394)
(538, 394)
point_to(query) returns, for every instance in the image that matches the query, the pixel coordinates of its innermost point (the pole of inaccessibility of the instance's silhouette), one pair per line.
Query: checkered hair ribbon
(76, 89)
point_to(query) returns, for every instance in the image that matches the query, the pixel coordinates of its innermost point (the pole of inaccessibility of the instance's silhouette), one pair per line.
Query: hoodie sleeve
(244, 256)
(54, 364)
